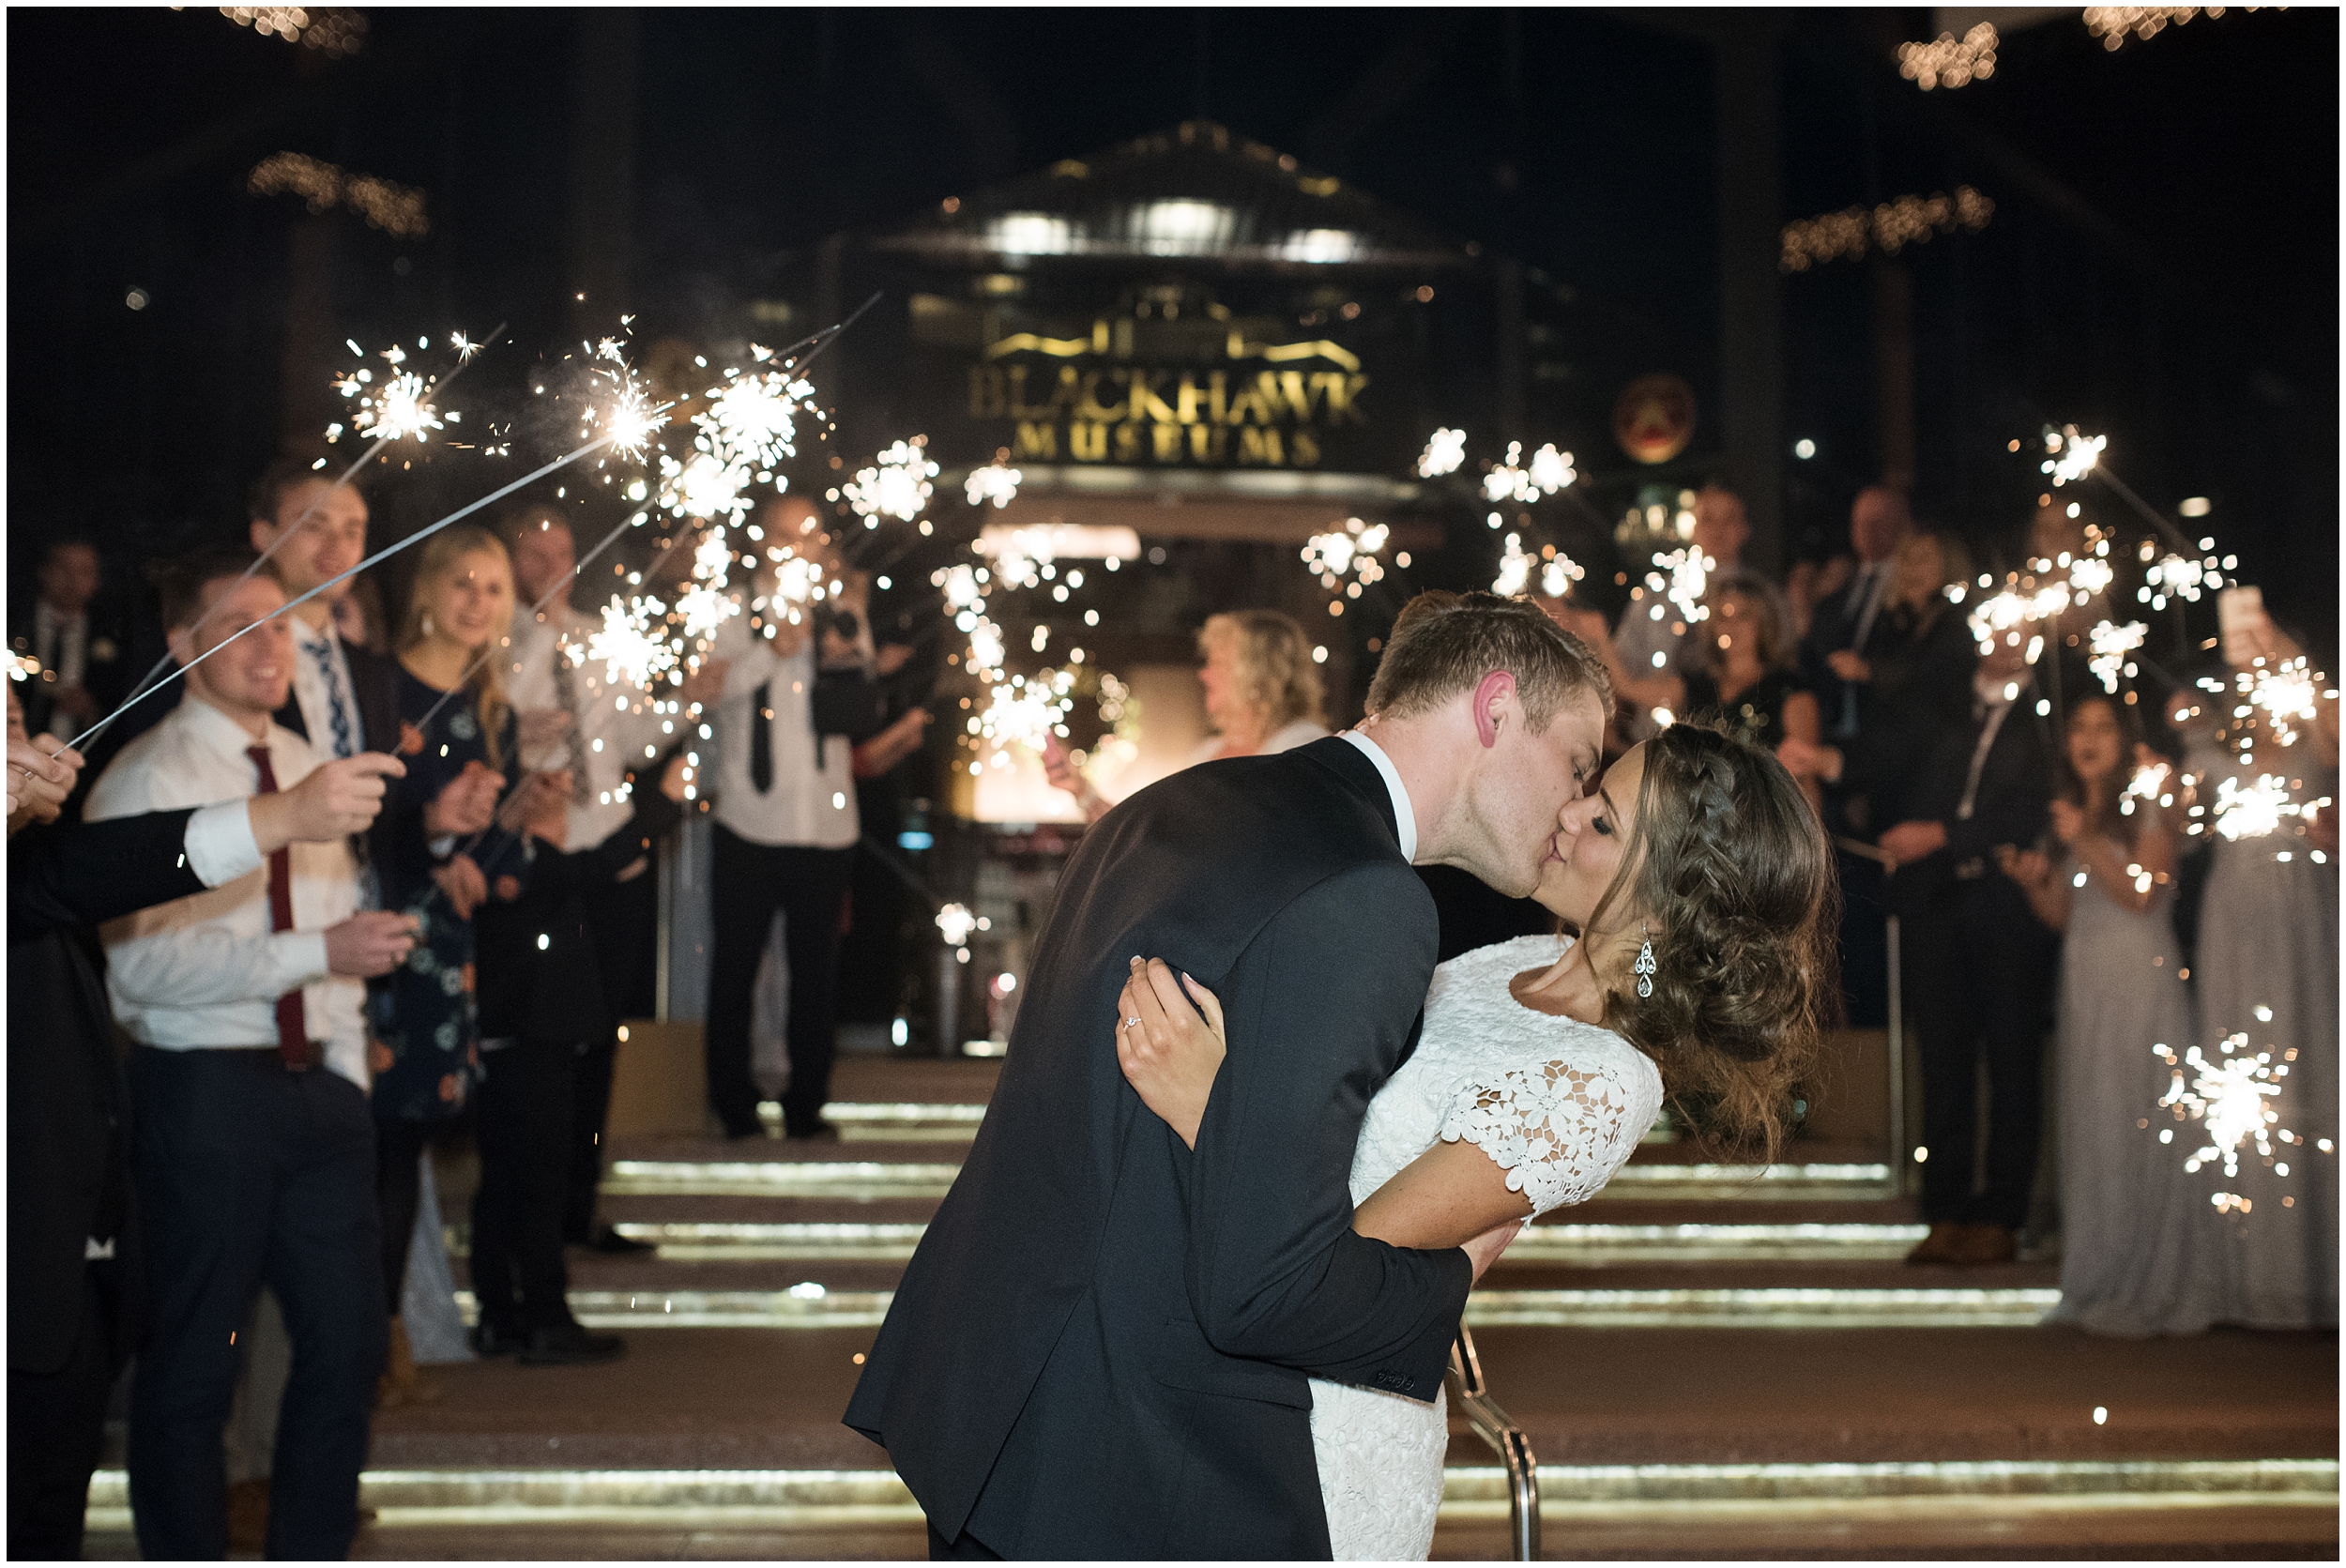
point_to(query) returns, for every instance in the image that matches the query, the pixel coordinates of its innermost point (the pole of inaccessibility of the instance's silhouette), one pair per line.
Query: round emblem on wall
(1655, 419)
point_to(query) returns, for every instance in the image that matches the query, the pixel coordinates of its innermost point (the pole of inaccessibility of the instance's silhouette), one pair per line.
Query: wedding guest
(1745, 677)
(456, 724)
(579, 719)
(82, 668)
(1263, 695)
(1879, 523)
(2134, 1233)
(1980, 964)
(70, 1249)
(254, 1157)
(542, 1002)
(785, 828)
(2266, 968)
(1809, 584)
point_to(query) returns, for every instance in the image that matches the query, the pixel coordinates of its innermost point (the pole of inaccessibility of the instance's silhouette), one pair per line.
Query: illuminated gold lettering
(1087, 404)
(1086, 441)
(1291, 390)
(1215, 393)
(1260, 445)
(1208, 443)
(1305, 450)
(1168, 442)
(1147, 405)
(1250, 401)
(1343, 393)
(1188, 415)
(1128, 443)
(1037, 440)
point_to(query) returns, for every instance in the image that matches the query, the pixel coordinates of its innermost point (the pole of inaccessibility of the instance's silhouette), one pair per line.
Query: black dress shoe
(608, 1239)
(570, 1345)
(818, 1130)
(489, 1341)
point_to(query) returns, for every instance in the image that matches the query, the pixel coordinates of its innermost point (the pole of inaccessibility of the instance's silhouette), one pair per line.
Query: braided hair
(1730, 874)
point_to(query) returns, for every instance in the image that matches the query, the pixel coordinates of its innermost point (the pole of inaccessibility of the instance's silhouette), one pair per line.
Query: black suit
(542, 988)
(1100, 1347)
(67, 1181)
(374, 687)
(1980, 967)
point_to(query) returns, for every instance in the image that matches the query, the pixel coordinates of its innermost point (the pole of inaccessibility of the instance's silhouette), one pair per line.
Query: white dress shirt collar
(1404, 815)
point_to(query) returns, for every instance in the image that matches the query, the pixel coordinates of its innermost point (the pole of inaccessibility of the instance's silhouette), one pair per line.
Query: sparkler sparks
(1351, 550)
(1515, 569)
(2069, 456)
(2013, 608)
(1550, 471)
(2112, 643)
(1445, 453)
(2253, 811)
(1559, 574)
(2229, 1095)
(1682, 577)
(998, 482)
(897, 485)
(628, 647)
(2287, 696)
(399, 408)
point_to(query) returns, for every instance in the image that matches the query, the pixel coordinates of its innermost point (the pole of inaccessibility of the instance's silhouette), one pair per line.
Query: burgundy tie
(293, 1033)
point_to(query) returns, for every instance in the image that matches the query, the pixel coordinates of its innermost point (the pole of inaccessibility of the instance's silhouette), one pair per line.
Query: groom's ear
(1490, 695)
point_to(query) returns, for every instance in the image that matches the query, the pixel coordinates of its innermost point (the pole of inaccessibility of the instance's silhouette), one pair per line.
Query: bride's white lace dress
(1559, 1104)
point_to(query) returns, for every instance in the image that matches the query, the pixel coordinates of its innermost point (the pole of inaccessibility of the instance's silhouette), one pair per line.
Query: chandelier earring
(1645, 963)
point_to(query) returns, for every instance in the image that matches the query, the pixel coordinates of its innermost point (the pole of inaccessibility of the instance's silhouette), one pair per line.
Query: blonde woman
(455, 723)
(1263, 694)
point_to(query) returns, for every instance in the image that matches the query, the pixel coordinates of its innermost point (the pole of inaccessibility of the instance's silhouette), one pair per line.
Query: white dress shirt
(1404, 815)
(614, 722)
(312, 692)
(808, 806)
(206, 972)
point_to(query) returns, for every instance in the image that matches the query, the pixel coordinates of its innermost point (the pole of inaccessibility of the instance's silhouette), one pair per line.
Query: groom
(1100, 1347)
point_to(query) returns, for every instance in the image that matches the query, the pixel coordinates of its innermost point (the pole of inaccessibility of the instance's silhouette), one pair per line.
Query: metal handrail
(1497, 1428)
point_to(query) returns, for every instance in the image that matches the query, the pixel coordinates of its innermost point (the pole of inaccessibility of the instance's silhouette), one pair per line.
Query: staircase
(1708, 1360)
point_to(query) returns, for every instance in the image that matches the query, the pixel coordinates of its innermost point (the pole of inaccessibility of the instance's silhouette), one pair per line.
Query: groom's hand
(1484, 1249)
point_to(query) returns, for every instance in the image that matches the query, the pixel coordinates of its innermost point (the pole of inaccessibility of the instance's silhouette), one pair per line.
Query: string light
(1948, 61)
(331, 30)
(1890, 227)
(394, 209)
(2115, 25)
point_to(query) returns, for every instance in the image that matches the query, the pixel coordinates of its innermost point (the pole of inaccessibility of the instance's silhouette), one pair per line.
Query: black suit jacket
(375, 688)
(556, 991)
(2010, 806)
(1100, 1347)
(65, 1149)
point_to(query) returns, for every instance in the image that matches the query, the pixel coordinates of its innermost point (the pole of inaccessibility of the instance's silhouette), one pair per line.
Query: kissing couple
(1195, 1289)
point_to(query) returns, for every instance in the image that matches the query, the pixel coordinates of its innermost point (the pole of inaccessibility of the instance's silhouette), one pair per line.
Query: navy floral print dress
(423, 1015)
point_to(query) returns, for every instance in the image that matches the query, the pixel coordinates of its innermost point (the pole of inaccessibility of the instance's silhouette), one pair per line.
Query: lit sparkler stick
(998, 482)
(376, 559)
(2230, 1094)
(2112, 643)
(897, 485)
(154, 677)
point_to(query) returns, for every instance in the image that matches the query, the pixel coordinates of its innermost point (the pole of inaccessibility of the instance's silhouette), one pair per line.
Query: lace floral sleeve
(1558, 1131)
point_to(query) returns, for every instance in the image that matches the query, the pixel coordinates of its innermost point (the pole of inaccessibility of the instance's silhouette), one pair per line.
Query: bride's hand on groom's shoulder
(1170, 1040)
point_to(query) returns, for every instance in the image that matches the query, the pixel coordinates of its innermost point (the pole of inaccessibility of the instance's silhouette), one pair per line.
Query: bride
(1703, 892)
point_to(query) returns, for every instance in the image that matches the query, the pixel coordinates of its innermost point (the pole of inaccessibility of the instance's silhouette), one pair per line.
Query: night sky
(2162, 266)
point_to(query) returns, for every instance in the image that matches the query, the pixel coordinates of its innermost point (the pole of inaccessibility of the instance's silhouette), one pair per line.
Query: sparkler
(1445, 453)
(2112, 643)
(2253, 811)
(1559, 574)
(1683, 578)
(897, 485)
(2069, 457)
(626, 646)
(998, 482)
(1515, 569)
(2286, 695)
(1349, 551)
(1548, 472)
(2231, 1095)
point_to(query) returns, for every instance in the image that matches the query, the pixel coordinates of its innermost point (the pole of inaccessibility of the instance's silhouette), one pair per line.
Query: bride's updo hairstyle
(1730, 871)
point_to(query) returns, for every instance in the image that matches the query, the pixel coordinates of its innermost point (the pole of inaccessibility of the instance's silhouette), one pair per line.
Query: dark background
(2161, 266)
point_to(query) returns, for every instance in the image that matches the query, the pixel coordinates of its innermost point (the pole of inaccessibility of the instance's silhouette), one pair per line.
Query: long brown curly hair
(1731, 877)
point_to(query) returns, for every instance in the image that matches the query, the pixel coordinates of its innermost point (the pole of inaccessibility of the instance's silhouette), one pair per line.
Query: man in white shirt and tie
(573, 718)
(255, 1157)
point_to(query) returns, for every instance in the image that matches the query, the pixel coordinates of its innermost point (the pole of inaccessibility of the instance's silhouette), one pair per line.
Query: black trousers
(749, 883)
(245, 1174)
(57, 1429)
(1982, 968)
(624, 923)
(525, 1130)
(398, 1146)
